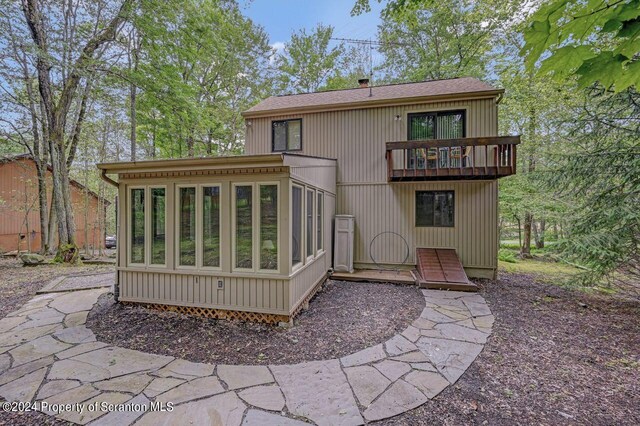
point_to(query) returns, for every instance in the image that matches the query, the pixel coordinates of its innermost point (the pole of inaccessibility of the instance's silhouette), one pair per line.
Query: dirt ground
(344, 318)
(18, 284)
(556, 356)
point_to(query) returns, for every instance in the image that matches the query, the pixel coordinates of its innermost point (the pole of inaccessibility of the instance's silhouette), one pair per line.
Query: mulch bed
(550, 360)
(343, 318)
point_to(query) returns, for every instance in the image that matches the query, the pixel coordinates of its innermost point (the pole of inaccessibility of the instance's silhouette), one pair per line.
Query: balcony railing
(442, 159)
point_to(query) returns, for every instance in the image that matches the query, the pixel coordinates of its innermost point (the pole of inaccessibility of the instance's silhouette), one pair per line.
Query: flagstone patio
(48, 355)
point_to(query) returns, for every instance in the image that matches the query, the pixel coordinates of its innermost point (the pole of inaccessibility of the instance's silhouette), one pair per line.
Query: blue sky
(281, 17)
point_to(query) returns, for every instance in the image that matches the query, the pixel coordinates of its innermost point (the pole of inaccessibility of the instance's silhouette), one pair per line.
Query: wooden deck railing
(464, 158)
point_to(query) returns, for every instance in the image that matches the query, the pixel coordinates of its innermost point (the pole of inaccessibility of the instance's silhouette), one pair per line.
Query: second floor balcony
(451, 159)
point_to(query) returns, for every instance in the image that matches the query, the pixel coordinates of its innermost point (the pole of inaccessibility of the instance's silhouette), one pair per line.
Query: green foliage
(201, 63)
(507, 256)
(434, 40)
(308, 61)
(598, 40)
(598, 176)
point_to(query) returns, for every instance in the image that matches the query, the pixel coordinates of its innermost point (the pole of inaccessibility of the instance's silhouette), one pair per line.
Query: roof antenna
(370, 68)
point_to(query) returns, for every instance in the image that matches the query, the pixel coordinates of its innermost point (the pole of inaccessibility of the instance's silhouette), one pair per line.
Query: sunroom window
(211, 226)
(269, 227)
(137, 251)
(244, 226)
(187, 226)
(296, 225)
(310, 197)
(158, 224)
(319, 217)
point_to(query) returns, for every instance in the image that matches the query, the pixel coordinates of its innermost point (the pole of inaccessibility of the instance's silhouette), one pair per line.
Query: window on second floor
(435, 125)
(286, 135)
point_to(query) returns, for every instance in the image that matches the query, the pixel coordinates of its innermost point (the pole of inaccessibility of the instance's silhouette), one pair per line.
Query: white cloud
(276, 48)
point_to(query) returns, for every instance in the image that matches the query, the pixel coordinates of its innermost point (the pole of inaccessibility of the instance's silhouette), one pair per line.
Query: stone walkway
(47, 355)
(79, 282)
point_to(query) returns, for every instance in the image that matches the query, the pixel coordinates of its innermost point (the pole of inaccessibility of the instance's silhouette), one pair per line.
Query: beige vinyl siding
(192, 289)
(356, 138)
(305, 279)
(381, 208)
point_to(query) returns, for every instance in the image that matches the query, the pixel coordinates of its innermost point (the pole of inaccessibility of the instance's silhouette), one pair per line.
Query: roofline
(372, 104)
(178, 162)
(74, 182)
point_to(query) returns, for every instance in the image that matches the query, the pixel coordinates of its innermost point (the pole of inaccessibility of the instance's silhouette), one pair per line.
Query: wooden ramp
(441, 269)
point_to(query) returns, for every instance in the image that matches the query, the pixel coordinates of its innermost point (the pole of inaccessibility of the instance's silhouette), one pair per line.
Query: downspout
(500, 96)
(116, 283)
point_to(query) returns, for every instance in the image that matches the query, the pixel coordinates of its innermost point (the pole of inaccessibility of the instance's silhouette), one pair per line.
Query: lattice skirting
(226, 314)
(222, 314)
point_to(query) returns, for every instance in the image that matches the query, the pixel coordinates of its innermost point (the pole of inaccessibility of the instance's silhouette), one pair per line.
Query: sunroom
(245, 237)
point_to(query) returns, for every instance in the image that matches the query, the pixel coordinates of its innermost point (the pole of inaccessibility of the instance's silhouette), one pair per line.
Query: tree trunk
(132, 111)
(525, 249)
(540, 230)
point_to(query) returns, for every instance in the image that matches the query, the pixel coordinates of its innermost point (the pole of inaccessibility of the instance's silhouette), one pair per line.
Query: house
(20, 209)
(251, 236)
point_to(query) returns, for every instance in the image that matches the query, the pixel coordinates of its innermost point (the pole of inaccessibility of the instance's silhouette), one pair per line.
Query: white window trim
(200, 218)
(295, 266)
(149, 217)
(178, 266)
(234, 185)
(322, 230)
(257, 241)
(130, 189)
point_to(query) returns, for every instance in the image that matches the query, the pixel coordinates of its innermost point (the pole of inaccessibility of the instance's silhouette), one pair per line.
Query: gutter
(104, 177)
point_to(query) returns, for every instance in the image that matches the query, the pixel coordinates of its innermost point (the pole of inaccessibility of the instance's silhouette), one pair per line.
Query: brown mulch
(343, 318)
(18, 284)
(550, 360)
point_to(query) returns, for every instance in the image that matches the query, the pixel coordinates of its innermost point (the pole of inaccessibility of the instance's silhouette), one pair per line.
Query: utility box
(343, 247)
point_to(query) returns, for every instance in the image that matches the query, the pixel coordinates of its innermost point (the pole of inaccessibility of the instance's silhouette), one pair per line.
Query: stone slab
(75, 335)
(76, 319)
(132, 383)
(197, 388)
(398, 345)
(72, 396)
(429, 383)
(76, 301)
(415, 356)
(318, 391)
(242, 376)
(84, 415)
(24, 388)
(55, 387)
(225, 409)
(393, 370)
(120, 361)
(22, 370)
(266, 397)
(5, 363)
(36, 349)
(450, 357)
(367, 383)
(262, 418)
(69, 369)
(7, 324)
(400, 397)
(161, 385)
(187, 370)
(411, 333)
(17, 337)
(365, 356)
(80, 349)
(125, 417)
